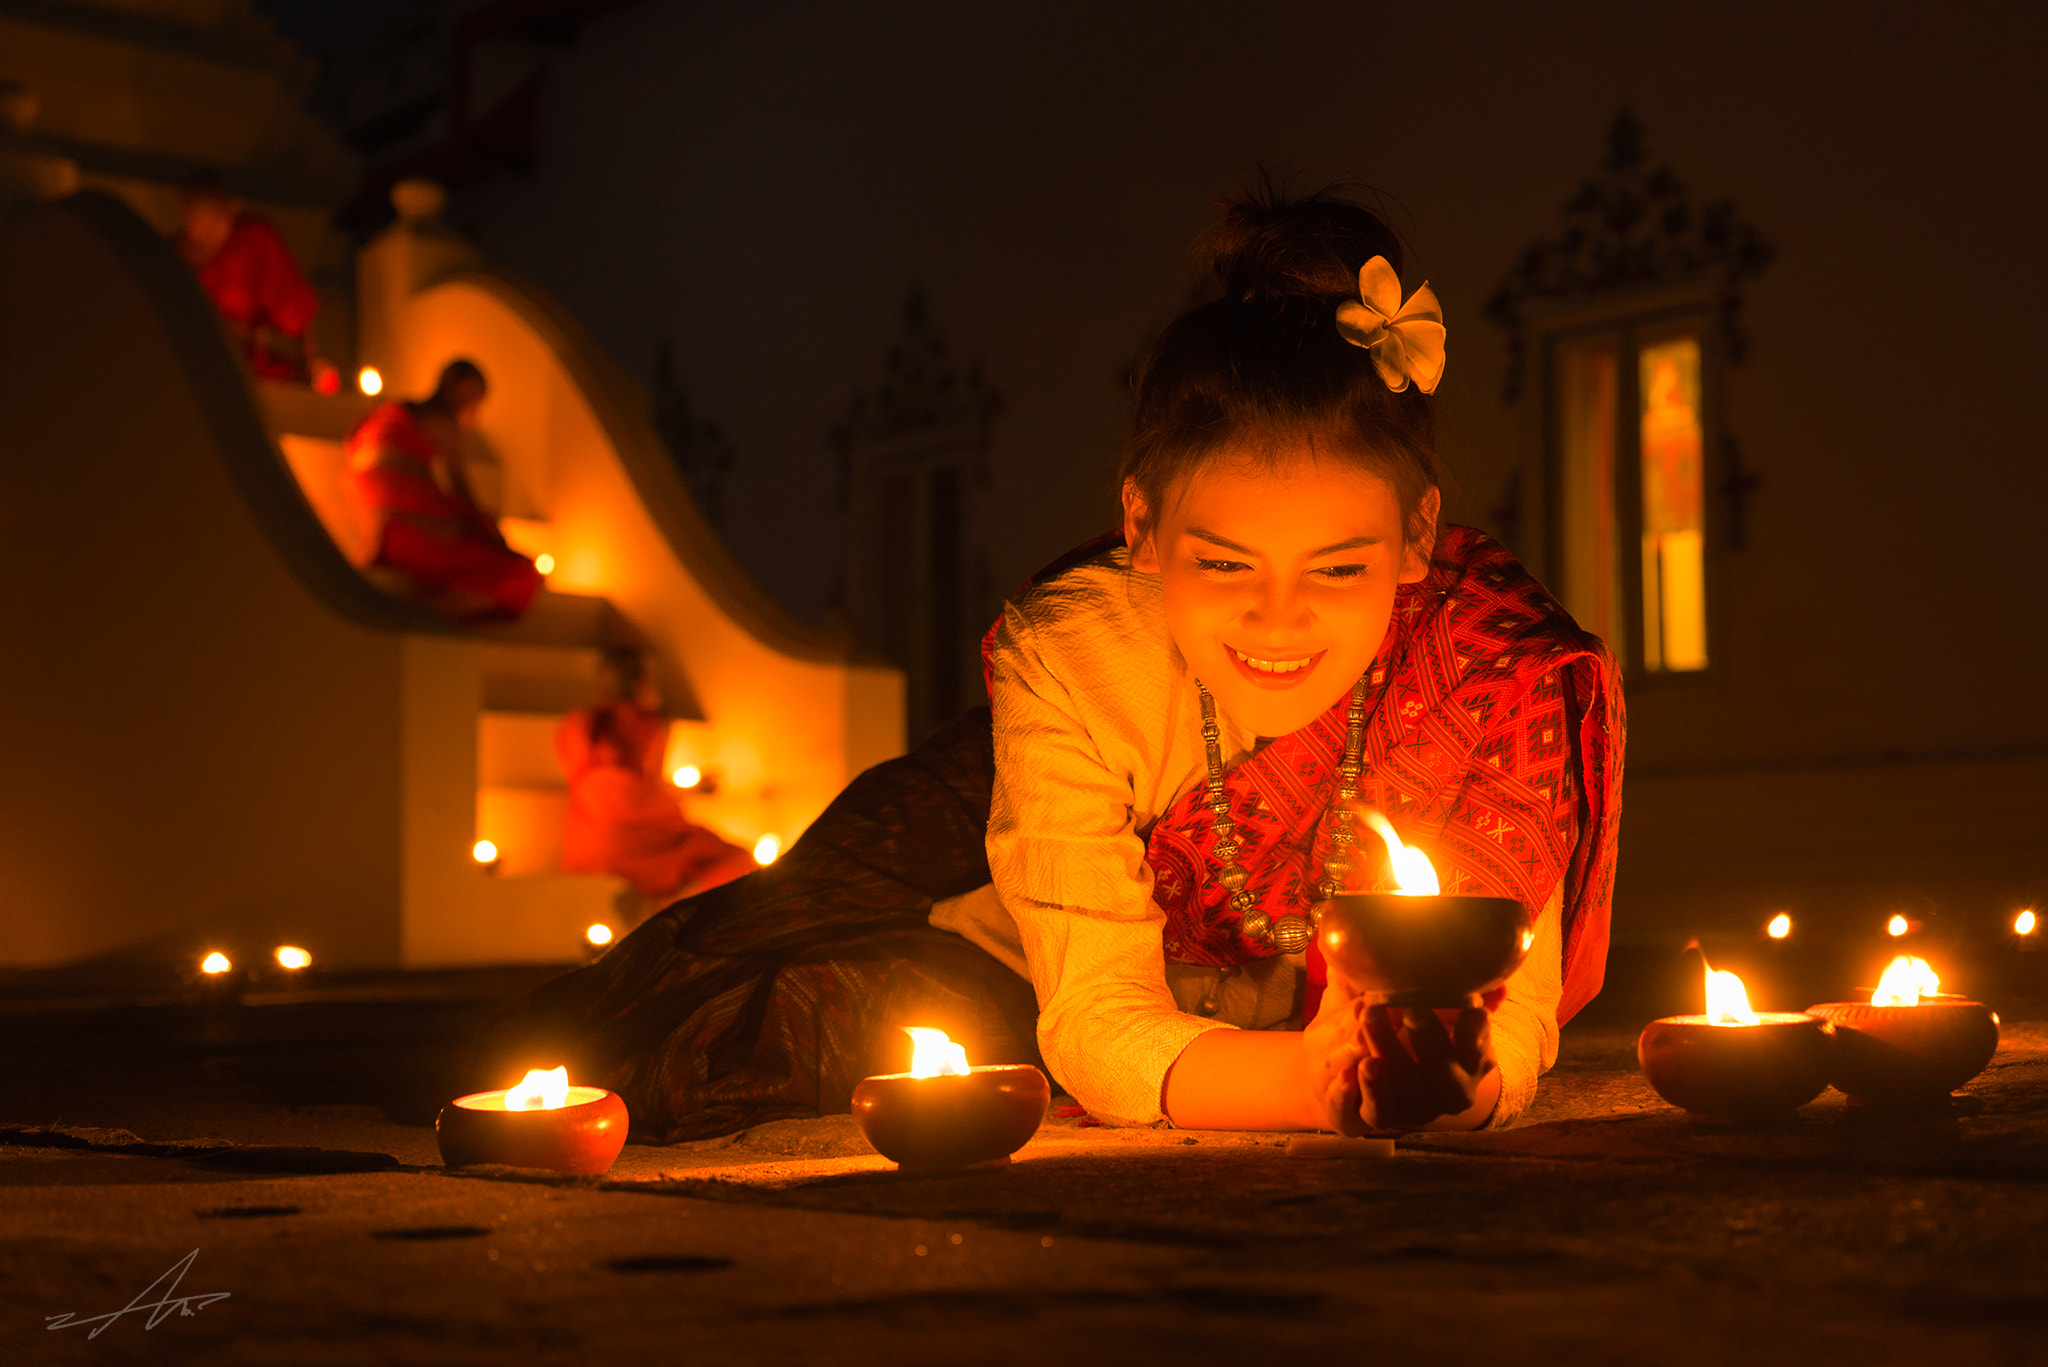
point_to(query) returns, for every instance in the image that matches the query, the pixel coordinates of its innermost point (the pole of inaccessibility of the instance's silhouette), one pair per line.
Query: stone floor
(287, 1138)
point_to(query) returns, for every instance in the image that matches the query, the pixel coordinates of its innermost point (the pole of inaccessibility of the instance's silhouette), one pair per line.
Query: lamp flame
(933, 1055)
(1897, 926)
(1412, 869)
(2024, 923)
(767, 849)
(687, 776)
(1906, 980)
(542, 1089)
(370, 381)
(291, 956)
(1780, 926)
(598, 933)
(1727, 1000)
(216, 962)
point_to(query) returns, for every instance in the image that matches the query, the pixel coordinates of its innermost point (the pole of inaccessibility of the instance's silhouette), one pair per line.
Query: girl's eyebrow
(1355, 543)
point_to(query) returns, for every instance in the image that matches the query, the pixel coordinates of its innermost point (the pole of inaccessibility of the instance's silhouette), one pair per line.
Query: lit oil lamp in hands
(1911, 1044)
(1417, 947)
(544, 1122)
(1732, 1063)
(1418, 972)
(945, 1114)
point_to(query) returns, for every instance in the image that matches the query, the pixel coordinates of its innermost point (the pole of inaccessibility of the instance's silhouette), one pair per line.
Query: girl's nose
(1279, 609)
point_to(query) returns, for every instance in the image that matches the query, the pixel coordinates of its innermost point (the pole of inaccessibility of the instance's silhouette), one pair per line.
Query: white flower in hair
(1406, 340)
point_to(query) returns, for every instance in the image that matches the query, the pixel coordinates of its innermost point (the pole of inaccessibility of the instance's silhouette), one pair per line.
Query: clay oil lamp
(1733, 1064)
(1911, 1044)
(944, 1115)
(1417, 947)
(542, 1123)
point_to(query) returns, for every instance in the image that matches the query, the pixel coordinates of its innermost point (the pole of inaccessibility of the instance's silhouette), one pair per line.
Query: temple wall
(196, 746)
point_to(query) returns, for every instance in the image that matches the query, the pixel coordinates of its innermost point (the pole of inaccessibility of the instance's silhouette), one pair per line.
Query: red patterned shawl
(1473, 702)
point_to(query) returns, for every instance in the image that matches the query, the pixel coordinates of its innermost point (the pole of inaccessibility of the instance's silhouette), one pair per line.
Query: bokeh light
(215, 962)
(1898, 925)
(2025, 923)
(291, 956)
(766, 849)
(688, 776)
(1780, 926)
(484, 852)
(598, 934)
(370, 381)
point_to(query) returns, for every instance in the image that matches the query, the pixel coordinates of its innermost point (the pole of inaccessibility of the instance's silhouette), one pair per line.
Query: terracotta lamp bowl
(936, 1124)
(1907, 1054)
(583, 1137)
(1748, 1074)
(1425, 951)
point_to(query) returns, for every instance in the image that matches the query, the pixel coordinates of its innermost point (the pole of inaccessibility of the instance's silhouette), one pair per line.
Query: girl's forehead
(1307, 490)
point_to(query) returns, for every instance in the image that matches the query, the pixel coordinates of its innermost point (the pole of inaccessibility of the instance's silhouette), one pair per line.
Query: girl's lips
(1266, 678)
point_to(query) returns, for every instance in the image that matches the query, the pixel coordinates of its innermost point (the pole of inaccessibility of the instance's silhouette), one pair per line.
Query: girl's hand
(1422, 1064)
(1335, 1047)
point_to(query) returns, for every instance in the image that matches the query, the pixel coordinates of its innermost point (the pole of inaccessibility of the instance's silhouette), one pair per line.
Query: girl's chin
(1271, 712)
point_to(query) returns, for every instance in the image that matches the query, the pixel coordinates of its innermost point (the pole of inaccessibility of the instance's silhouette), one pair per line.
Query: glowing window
(1629, 481)
(1674, 498)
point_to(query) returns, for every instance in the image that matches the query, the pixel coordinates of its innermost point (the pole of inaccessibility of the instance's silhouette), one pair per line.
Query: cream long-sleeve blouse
(1097, 733)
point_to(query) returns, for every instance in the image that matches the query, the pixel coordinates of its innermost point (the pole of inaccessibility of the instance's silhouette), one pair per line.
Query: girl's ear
(1420, 542)
(1138, 528)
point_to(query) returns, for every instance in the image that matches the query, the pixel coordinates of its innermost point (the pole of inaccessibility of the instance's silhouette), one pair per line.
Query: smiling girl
(1183, 714)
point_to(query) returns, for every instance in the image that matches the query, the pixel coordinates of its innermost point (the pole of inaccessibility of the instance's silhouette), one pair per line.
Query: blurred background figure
(625, 817)
(249, 273)
(419, 517)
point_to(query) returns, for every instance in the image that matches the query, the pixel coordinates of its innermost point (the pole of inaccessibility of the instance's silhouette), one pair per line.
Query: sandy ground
(285, 1142)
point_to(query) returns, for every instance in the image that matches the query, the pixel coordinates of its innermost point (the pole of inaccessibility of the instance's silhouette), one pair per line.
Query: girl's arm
(1351, 1071)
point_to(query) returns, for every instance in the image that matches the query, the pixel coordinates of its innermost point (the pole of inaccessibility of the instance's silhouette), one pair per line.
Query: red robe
(440, 540)
(258, 289)
(624, 816)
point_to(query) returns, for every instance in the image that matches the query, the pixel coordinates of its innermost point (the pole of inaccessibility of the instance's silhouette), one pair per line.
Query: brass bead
(1291, 934)
(1227, 851)
(1244, 904)
(1232, 878)
(1255, 924)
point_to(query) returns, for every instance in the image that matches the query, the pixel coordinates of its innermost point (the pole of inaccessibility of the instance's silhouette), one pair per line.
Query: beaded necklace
(1291, 933)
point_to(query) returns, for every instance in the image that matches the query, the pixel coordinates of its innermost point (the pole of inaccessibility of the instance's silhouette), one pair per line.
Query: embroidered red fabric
(1474, 702)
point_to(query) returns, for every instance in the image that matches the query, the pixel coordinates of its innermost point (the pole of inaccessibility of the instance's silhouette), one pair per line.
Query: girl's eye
(1342, 571)
(1219, 566)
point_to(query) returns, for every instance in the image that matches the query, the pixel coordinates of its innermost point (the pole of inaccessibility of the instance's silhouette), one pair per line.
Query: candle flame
(2024, 923)
(1780, 926)
(291, 956)
(1906, 979)
(1412, 869)
(543, 1089)
(1897, 926)
(1727, 1000)
(933, 1055)
(215, 962)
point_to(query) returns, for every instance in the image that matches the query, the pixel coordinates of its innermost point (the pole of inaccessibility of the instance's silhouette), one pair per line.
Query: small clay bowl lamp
(1910, 1043)
(943, 1114)
(541, 1123)
(1416, 947)
(1734, 1064)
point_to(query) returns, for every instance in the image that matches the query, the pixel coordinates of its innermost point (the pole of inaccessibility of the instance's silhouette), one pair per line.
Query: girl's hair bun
(1269, 245)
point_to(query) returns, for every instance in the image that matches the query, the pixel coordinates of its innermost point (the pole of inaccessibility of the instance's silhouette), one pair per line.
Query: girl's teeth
(1271, 666)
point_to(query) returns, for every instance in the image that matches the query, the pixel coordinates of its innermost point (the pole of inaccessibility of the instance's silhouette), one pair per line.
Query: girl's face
(1279, 579)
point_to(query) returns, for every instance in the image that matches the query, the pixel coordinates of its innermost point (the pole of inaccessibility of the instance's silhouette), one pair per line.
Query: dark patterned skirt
(770, 997)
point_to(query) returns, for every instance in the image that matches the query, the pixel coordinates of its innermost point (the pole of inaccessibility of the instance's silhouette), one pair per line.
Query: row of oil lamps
(1910, 1045)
